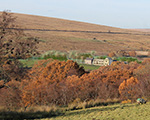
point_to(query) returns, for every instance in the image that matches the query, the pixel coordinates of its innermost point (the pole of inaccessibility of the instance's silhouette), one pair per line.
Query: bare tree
(14, 45)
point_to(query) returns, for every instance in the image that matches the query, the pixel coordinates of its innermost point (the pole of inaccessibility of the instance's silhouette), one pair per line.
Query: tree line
(53, 82)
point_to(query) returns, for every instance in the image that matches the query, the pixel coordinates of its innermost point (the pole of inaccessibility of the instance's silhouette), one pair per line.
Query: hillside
(81, 36)
(111, 112)
(143, 30)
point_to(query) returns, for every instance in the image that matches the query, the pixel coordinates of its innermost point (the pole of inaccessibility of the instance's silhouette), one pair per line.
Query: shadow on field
(28, 115)
(105, 108)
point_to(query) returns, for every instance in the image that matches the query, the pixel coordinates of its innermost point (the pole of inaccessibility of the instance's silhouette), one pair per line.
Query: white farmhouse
(88, 61)
(102, 62)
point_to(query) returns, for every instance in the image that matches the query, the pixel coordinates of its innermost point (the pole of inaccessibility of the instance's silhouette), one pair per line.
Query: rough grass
(112, 112)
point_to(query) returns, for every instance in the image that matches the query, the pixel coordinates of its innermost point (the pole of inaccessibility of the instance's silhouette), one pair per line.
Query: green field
(112, 112)
(28, 62)
(89, 67)
(31, 62)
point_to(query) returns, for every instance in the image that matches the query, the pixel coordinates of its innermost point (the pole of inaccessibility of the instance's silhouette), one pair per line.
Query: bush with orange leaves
(55, 82)
(10, 95)
(132, 53)
(142, 73)
(112, 54)
(46, 82)
(104, 83)
(128, 89)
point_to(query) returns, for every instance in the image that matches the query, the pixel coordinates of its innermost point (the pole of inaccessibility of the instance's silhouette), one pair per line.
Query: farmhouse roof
(89, 58)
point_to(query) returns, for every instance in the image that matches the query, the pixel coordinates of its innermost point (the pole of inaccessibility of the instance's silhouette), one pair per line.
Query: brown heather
(102, 43)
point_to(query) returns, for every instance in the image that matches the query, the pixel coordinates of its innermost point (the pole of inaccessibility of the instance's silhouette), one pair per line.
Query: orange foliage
(10, 95)
(127, 88)
(132, 53)
(45, 80)
(102, 83)
(146, 61)
(55, 82)
(1, 83)
(142, 74)
(111, 54)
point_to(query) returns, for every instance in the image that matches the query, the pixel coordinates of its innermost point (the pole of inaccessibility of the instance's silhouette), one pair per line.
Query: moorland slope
(67, 35)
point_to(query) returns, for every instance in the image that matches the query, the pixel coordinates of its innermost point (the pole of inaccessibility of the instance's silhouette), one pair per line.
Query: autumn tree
(10, 95)
(102, 83)
(132, 53)
(55, 82)
(122, 53)
(112, 54)
(128, 88)
(142, 74)
(14, 44)
(46, 84)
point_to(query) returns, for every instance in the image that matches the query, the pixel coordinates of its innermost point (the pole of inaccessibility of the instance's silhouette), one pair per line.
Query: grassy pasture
(30, 62)
(112, 112)
(89, 67)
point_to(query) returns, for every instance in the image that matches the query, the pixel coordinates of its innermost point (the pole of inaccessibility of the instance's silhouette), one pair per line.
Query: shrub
(47, 82)
(126, 101)
(56, 55)
(128, 88)
(128, 59)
